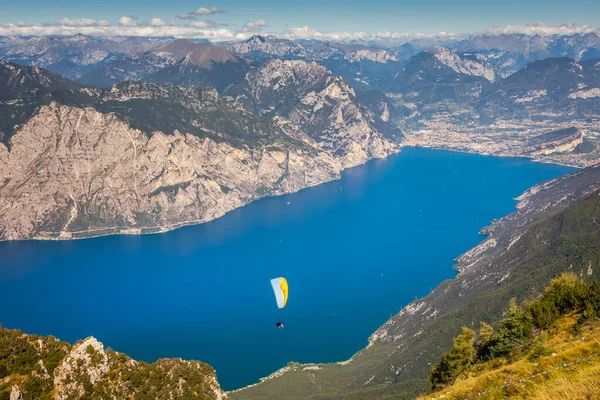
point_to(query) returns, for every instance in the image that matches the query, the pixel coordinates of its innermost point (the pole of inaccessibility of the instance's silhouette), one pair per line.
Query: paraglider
(280, 289)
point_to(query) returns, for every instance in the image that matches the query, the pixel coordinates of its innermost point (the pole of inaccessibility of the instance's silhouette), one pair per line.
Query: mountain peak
(437, 49)
(199, 54)
(79, 37)
(473, 64)
(256, 38)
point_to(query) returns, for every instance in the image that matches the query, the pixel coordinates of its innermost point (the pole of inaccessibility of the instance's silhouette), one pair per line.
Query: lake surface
(354, 252)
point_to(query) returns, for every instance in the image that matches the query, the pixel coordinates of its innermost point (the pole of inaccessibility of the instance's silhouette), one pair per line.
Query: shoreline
(286, 368)
(135, 231)
(283, 370)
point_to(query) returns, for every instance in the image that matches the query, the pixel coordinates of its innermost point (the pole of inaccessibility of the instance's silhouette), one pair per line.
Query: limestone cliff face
(145, 157)
(315, 106)
(563, 140)
(76, 172)
(43, 367)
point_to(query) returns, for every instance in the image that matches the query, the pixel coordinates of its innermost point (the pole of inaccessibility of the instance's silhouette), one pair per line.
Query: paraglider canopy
(280, 288)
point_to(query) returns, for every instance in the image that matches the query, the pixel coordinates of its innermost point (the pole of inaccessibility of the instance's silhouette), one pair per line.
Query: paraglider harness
(279, 324)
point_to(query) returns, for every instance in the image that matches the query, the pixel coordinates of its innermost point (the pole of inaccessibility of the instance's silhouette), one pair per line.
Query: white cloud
(208, 11)
(157, 22)
(541, 29)
(127, 26)
(127, 21)
(142, 30)
(82, 22)
(203, 24)
(254, 25)
(185, 16)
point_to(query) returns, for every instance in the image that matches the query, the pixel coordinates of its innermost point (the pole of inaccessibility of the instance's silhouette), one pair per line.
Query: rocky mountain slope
(146, 157)
(445, 101)
(180, 62)
(511, 52)
(38, 367)
(554, 230)
(263, 48)
(361, 66)
(439, 98)
(317, 107)
(554, 88)
(23, 91)
(439, 74)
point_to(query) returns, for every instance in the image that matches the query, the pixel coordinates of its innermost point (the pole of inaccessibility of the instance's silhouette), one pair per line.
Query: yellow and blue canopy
(280, 288)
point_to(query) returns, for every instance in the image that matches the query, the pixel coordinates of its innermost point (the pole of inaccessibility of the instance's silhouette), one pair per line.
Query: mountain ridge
(185, 155)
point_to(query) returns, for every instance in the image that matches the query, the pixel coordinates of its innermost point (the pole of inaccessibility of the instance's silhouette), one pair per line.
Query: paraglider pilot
(280, 288)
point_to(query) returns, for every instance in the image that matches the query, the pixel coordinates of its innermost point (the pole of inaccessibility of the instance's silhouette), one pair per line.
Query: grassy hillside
(549, 348)
(396, 364)
(571, 370)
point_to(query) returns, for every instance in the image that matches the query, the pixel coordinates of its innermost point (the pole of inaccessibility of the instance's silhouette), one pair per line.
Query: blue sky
(352, 15)
(424, 16)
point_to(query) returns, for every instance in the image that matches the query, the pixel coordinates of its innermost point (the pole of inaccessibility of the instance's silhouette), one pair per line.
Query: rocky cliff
(75, 172)
(38, 367)
(146, 157)
(317, 107)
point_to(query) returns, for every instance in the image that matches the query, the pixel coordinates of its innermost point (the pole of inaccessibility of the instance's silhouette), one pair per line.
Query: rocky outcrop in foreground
(34, 367)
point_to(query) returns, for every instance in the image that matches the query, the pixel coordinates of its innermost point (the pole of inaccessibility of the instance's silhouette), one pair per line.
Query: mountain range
(180, 62)
(145, 157)
(72, 56)
(287, 122)
(132, 135)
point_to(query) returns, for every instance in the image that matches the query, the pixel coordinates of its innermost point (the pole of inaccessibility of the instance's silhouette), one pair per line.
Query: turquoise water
(354, 252)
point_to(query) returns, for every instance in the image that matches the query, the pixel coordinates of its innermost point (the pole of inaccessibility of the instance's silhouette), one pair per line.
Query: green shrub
(456, 360)
(539, 350)
(519, 331)
(513, 334)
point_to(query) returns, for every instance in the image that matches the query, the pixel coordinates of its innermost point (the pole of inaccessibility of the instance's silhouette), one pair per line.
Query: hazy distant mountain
(511, 52)
(180, 62)
(439, 74)
(71, 56)
(261, 48)
(361, 66)
(552, 88)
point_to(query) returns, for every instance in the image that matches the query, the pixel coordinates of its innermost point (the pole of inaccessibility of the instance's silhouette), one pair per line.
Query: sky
(231, 19)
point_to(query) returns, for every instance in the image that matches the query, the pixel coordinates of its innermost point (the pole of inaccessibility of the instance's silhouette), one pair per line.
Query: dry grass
(578, 381)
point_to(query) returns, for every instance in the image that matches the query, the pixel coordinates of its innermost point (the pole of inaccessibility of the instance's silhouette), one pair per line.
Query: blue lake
(354, 252)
